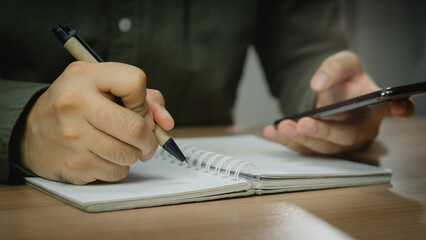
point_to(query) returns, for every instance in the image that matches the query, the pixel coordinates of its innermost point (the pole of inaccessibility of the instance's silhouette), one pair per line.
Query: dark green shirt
(192, 51)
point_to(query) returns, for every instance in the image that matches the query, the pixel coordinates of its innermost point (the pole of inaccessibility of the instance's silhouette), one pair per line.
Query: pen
(75, 45)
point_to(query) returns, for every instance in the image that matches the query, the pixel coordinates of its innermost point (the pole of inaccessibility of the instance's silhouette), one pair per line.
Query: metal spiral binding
(207, 160)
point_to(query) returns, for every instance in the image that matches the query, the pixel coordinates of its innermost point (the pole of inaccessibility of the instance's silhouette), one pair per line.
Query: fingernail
(308, 128)
(289, 131)
(165, 112)
(320, 82)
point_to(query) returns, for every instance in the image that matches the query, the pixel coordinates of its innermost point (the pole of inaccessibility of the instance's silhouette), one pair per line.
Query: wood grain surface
(388, 211)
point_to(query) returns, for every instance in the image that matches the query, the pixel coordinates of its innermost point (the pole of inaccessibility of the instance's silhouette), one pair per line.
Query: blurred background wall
(388, 35)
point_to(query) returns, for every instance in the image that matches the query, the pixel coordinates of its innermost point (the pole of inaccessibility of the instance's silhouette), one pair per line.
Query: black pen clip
(65, 33)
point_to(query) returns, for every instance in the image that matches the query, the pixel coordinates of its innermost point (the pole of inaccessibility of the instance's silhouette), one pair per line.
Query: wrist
(17, 144)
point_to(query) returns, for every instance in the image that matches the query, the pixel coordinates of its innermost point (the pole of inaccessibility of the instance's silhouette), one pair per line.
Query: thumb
(336, 69)
(403, 108)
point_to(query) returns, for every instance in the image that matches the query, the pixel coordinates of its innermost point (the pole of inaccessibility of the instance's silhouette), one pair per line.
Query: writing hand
(76, 133)
(339, 77)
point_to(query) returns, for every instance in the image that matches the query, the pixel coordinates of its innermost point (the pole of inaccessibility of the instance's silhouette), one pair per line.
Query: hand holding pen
(76, 133)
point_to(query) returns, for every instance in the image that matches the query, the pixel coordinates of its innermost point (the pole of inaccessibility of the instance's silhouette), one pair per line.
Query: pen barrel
(79, 52)
(161, 135)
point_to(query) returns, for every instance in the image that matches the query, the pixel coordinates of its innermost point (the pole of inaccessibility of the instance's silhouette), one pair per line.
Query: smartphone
(370, 99)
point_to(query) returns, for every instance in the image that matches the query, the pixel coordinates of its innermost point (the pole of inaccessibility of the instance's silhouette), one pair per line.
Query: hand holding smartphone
(370, 99)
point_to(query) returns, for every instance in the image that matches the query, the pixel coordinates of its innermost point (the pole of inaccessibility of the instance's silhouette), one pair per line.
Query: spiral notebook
(219, 167)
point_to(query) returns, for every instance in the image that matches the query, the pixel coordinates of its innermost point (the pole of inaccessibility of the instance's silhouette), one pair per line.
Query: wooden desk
(382, 211)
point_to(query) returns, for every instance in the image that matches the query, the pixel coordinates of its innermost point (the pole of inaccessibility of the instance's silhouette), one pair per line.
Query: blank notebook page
(275, 160)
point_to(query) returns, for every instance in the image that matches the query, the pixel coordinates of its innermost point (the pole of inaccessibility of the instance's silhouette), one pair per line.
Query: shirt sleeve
(292, 39)
(16, 100)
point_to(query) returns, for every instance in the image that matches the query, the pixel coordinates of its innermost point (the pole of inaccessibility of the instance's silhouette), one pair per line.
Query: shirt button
(125, 24)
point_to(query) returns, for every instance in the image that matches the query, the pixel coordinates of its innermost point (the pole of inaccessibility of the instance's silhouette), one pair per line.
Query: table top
(396, 210)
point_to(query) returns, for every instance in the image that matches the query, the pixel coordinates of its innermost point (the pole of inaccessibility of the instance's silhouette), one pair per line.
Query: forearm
(16, 99)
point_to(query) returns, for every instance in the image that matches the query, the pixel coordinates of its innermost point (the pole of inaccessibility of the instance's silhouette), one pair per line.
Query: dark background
(390, 38)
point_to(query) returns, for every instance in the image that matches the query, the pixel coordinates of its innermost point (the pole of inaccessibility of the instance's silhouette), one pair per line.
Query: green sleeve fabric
(16, 99)
(292, 39)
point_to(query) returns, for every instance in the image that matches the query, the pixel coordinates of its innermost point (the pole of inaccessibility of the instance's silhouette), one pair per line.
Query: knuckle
(353, 137)
(71, 132)
(135, 128)
(333, 64)
(75, 67)
(148, 153)
(347, 52)
(139, 78)
(68, 100)
(350, 57)
(79, 182)
(330, 149)
(78, 163)
(141, 75)
(119, 173)
(60, 177)
(156, 94)
(133, 156)
(324, 131)
(350, 139)
(124, 156)
(143, 109)
(116, 115)
(351, 54)
(354, 59)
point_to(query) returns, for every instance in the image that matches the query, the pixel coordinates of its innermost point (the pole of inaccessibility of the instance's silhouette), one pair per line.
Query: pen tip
(171, 147)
